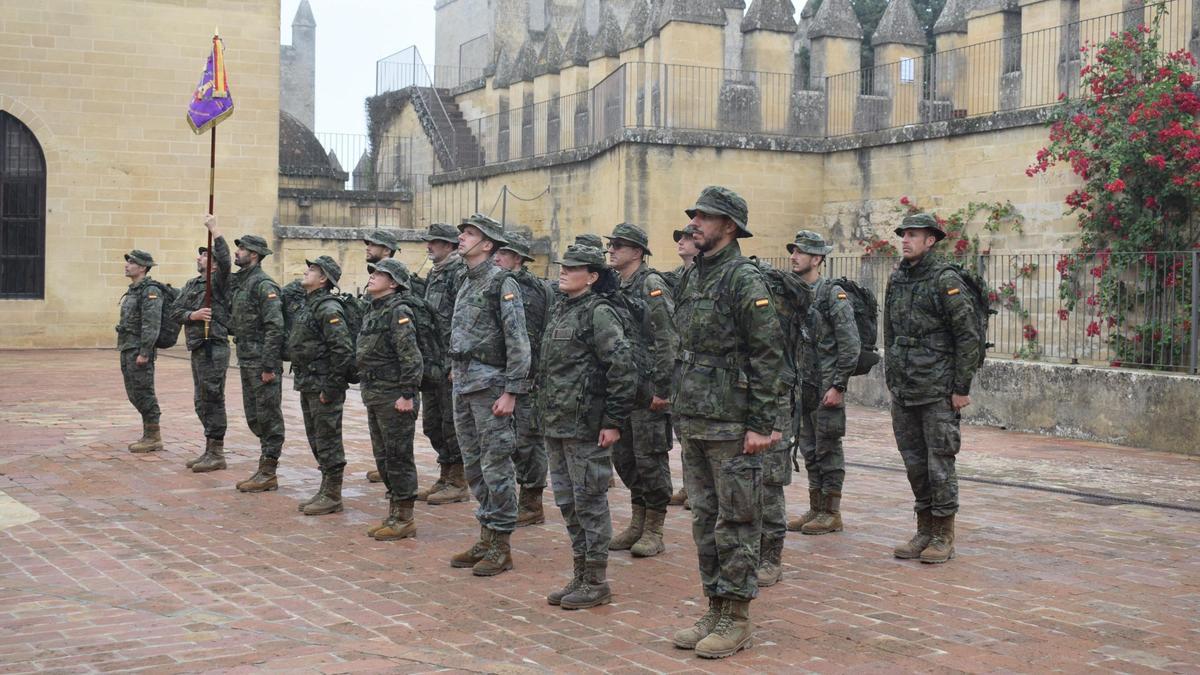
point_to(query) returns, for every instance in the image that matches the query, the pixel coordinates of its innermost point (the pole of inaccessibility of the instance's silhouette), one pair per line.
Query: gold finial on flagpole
(216, 33)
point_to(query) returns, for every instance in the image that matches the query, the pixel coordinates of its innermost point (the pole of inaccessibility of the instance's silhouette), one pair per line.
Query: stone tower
(298, 68)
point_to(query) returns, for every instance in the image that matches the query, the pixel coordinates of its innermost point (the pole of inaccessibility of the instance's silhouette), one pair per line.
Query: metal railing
(406, 68)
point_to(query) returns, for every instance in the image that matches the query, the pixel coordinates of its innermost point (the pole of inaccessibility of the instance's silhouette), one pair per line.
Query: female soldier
(587, 384)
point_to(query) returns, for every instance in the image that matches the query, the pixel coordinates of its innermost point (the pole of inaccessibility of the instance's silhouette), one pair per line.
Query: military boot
(498, 557)
(814, 508)
(626, 540)
(331, 500)
(150, 441)
(770, 562)
(215, 460)
(679, 497)
(423, 493)
(400, 524)
(830, 517)
(454, 489)
(731, 634)
(373, 476)
(381, 524)
(555, 597)
(317, 495)
(688, 637)
(263, 480)
(469, 557)
(529, 507)
(651, 541)
(202, 456)
(920, 540)
(593, 590)
(941, 546)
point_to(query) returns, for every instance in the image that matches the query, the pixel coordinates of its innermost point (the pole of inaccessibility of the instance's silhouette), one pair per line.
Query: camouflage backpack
(866, 317)
(981, 302)
(429, 338)
(789, 296)
(168, 328)
(635, 323)
(290, 297)
(354, 309)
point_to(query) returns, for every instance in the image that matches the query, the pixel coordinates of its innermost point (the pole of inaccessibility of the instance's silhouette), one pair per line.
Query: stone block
(739, 108)
(807, 116)
(872, 113)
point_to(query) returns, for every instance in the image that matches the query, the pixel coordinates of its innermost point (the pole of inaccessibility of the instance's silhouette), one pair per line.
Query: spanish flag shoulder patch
(509, 296)
(152, 296)
(403, 320)
(841, 296)
(656, 292)
(762, 302)
(336, 319)
(953, 291)
(272, 296)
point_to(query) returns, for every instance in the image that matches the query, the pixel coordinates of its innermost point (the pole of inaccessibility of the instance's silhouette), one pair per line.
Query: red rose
(904, 201)
(1093, 329)
(1116, 186)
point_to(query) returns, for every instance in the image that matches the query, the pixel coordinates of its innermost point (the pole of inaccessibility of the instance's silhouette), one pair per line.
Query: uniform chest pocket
(561, 334)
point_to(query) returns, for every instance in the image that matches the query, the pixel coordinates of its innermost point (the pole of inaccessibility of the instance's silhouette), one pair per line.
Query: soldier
(206, 330)
(322, 357)
(530, 458)
(137, 334)
(380, 245)
(828, 351)
(258, 331)
(437, 421)
(933, 350)
(389, 364)
(726, 406)
(489, 350)
(640, 457)
(685, 248)
(587, 361)
(585, 239)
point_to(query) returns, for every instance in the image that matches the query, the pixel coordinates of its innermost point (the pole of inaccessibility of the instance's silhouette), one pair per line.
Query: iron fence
(406, 69)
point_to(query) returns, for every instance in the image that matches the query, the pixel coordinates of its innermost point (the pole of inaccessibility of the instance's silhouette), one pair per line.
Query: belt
(728, 362)
(906, 341)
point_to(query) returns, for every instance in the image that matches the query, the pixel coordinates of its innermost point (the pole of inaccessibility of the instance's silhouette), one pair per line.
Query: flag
(211, 103)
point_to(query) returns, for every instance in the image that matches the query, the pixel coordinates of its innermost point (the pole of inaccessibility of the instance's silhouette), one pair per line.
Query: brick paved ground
(110, 561)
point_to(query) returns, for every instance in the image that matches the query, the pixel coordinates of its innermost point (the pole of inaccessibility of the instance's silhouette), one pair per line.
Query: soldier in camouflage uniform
(322, 358)
(589, 381)
(437, 421)
(380, 245)
(206, 330)
(389, 364)
(725, 400)
(933, 350)
(828, 350)
(530, 458)
(489, 351)
(137, 333)
(685, 248)
(257, 310)
(640, 457)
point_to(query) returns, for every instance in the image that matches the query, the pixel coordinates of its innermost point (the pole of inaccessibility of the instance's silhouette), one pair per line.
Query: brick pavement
(111, 561)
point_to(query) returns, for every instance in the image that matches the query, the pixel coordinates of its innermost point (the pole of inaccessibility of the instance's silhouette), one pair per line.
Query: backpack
(290, 296)
(981, 301)
(789, 296)
(866, 317)
(536, 313)
(417, 285)
(354, 310)
(168, 327)
(635, 323)
(429, 338)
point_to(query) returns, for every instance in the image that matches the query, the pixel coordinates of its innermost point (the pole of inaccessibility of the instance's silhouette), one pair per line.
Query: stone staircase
(451, 136)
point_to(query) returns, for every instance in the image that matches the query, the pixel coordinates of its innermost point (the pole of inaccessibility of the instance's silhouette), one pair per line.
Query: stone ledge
(341, 233)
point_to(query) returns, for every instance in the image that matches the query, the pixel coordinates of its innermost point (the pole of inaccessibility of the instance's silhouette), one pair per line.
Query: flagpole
(212, 180)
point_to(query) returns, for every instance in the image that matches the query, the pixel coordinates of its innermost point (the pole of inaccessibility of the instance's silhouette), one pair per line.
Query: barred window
(22, 211)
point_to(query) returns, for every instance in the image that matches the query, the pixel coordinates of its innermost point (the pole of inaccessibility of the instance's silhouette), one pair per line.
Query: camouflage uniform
(441, 290)
(258, 331)
(137, 333)
(209, 354)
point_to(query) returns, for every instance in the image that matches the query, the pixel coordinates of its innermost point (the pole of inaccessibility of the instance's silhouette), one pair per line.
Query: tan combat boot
(679, 497)
(770, 562)
(215, 461)
(830, 517)
(731, 634)
(317, 495)
(264, 479)
(202, 456)
(331, 500)
(941, 546)
(469, 557)
(373, 476)
(498, 557)
(626, 540)
(651, 541)
(920, 540)
(381, 524)
(529, 507)
(688, 637)
(814, 507)
(454, 489)
(423, 493)
(593, 591)
(555, 597)
(150, 441)
(400, 524)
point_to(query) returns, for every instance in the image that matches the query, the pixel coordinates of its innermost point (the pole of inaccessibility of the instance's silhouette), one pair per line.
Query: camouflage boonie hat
(721, 201)
(441, 232)
(921, 221)
(490, 228)
(332, 270)
(393, 268)
(140, 257)
(517, 243)
(382, 238)
(592, 240)
(253, 242)
(633, 234)
(809, 242)
(687, 231)
(583, 256)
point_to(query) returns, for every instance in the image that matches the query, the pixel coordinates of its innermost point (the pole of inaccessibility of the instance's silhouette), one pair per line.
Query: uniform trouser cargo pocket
(739, 485)
(830, 422)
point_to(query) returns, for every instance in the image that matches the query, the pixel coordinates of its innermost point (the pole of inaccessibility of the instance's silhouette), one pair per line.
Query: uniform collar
(481, 269)
(726, 254)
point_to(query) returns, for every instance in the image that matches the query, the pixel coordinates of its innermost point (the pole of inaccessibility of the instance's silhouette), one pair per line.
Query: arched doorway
(22, 211)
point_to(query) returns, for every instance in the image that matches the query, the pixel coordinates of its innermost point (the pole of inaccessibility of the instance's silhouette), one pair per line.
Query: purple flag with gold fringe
(211, 103)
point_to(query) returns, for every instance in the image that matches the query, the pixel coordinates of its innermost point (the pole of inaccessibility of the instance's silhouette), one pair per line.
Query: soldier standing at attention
(641, 455)
(206, 330)
(726, 406)
(933, 350)
(828, 349)
(530, 457)
(380, 245)
(322, 357)
(137, 334)
(685, 248)
(390, 368)
(437, 421)
(258, 331)
(587, 362)
(489, 349)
